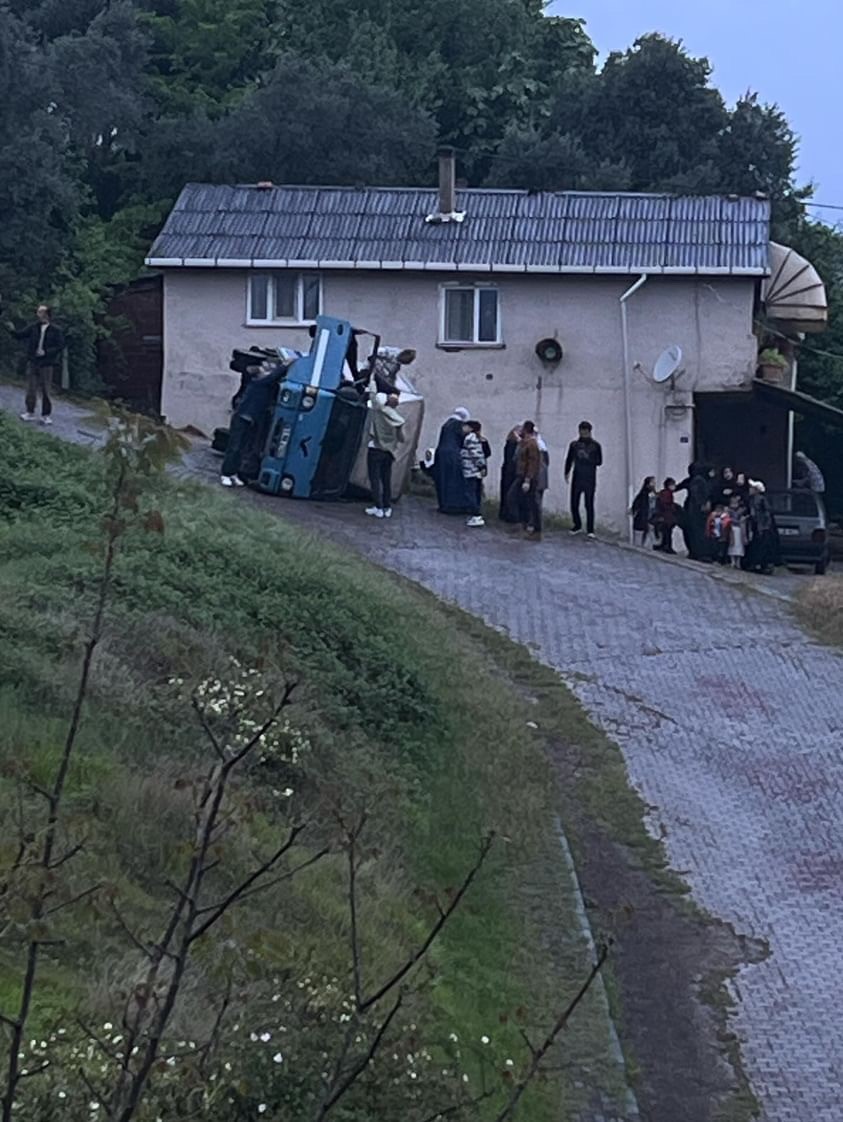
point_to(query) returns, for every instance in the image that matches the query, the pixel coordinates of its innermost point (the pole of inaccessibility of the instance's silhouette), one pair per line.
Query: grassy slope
(404, 708)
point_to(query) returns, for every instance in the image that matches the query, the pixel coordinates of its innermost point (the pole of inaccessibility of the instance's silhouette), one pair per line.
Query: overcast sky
(790, 52)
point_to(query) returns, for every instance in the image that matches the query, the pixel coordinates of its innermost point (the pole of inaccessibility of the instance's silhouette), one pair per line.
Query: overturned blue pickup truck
(306, 438)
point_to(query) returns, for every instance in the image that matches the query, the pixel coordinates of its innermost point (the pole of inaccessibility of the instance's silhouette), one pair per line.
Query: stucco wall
(710, 318)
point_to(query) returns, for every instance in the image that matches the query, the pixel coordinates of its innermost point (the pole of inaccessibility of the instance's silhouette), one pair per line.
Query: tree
(654, 108)
(100, 84)
(39, 191)
(311, 123)
(206, 53)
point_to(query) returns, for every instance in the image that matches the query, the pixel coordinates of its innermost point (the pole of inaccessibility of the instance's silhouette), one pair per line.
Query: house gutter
(627, 390)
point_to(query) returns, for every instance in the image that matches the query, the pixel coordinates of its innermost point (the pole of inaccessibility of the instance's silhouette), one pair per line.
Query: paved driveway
(731, 722)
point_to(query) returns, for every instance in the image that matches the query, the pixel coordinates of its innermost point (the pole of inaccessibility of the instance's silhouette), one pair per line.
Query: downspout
(627, 391)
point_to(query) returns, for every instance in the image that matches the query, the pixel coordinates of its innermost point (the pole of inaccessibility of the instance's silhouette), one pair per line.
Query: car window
(799, 504)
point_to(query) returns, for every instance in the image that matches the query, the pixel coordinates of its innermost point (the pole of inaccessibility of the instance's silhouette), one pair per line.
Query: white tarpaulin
(411, 408)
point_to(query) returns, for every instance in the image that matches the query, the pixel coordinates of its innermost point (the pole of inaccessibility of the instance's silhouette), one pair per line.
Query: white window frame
(296, 320)
(476, 288)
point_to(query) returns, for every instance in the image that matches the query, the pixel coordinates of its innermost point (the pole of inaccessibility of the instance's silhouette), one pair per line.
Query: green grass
(820, 607)
(414, 713)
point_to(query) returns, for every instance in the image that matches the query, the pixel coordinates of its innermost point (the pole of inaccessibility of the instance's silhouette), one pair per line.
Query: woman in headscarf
(451, 491)
(507, 513)
(763, 551)
(696, 512)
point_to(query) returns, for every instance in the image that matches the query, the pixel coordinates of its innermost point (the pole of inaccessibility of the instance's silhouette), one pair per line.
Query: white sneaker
(592, 537)
(374, 512)
(237, 481)
(28, 417)
(227, 481)
(476, 520)
(388, 512)
(572, 532)
(46, 420)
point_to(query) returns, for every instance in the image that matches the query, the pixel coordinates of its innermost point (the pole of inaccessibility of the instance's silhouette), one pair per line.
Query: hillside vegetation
(399, 733)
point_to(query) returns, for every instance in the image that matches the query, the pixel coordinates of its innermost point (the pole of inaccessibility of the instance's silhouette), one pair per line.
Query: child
(666, 516)
(737, 532)
(717, 531)
(473, 460)
(643, 510)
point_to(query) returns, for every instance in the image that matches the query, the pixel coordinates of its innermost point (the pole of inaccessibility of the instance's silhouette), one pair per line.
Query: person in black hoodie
(44, 345)
(584, 458)
(696, 512)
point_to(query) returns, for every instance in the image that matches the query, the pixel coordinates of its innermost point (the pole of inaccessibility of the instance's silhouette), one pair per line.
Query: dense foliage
(109, 107)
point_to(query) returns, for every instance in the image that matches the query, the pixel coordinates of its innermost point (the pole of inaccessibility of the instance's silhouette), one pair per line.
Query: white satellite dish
(668, 364)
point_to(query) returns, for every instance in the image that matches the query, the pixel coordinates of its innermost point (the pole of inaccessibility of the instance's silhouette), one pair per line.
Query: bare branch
(68, 855)
(444, 916)
(206, 728)
(29, 1072)
(560, 1023)
(528, 1042)
(127, 931)
(73, 900)
(264, 887)
(208, 1047)
(106, 1050)
(264, 728)
(458, 1108)
(216, 911)
(356, 964)
(360, 1066)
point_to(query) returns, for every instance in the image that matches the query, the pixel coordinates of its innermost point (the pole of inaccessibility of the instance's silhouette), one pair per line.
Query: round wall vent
(550, 351)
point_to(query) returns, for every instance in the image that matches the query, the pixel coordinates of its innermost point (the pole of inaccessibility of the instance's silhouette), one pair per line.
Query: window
(470, 316)
(284, 297)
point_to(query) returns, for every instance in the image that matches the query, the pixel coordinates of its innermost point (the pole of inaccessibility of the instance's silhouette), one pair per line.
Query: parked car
(803, 528)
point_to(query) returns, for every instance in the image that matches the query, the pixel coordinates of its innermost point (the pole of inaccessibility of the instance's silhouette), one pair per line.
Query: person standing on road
(473, 457)
(643, 511)
(806, 474)
(257, 399)
(584, 457)
(44, 345)
(666, 516)
(506, 511)
(524, 492)
(386, 432)
(763, 552)
(697, 507)
(451, 491)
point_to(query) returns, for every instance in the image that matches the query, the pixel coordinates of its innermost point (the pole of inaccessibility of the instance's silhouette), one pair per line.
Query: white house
(474, 280)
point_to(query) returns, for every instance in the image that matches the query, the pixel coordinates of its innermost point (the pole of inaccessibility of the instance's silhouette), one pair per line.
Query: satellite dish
(668, 364)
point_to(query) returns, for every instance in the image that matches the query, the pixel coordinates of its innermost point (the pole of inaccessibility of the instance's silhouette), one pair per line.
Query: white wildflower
(278, 1058)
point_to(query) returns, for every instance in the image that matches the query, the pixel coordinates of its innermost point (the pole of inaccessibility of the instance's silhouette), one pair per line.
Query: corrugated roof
(552, 231)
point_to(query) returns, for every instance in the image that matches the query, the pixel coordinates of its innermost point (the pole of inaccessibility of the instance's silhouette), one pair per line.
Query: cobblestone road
(731, 722)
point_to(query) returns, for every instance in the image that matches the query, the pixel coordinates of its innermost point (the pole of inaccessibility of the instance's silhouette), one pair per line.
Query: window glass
(285, 296)
(310, 296)
(258, 297)
(459, 315)
(487, 331)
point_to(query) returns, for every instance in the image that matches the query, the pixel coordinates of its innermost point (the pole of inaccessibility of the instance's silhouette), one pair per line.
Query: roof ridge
(520, 191)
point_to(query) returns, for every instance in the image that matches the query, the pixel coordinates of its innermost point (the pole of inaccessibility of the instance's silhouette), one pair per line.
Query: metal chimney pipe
(447, 181)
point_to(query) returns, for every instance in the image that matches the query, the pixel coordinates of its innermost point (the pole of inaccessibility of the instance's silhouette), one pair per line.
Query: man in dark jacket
(254, 404)
(584, 458)
(44, 345)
